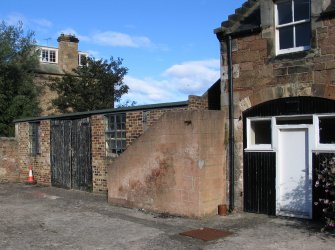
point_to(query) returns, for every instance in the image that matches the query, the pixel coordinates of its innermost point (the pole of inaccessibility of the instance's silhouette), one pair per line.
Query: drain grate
(206, 234)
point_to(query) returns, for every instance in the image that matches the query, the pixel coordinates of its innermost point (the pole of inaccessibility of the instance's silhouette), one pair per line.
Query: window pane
(261, 132)
(303, 34)
(327, 131)
(301, 10)
(286, 37)
(284, 12)
(52, 56)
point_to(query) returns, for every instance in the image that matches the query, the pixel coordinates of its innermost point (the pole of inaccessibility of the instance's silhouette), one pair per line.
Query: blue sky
(168, 46)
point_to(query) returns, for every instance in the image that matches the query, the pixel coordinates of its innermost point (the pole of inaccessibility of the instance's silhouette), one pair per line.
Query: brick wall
(177, 166)
(9, 170)
(41, 162)
(197, 102)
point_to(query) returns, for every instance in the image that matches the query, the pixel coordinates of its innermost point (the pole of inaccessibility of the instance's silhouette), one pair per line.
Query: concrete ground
(33, 217)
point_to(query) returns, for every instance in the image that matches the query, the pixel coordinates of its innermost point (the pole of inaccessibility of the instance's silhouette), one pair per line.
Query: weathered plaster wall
(177, 166)
(9, 170)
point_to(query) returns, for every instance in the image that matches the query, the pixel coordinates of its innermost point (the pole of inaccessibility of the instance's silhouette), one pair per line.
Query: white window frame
(48, 49)
(258, 147)
(294, 24)
(321, 146)
(79, 57)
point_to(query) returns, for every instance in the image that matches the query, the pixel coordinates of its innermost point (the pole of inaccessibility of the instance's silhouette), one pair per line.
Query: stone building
(55, 62)
(277, 83)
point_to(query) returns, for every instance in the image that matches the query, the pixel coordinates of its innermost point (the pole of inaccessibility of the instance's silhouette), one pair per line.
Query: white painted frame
(293, 23)
(48, 49)
(79, 57)
(321, 146)
(311, 140)
(257, 147)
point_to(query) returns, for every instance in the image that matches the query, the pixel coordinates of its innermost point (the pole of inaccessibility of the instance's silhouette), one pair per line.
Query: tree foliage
(96, 85)
(326, 182)
(18, 93)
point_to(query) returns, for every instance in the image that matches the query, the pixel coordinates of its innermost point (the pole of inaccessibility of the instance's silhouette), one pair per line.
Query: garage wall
(41, 162)
(9, 171)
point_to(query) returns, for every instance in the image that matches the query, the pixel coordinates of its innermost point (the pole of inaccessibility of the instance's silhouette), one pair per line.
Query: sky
(169, 46)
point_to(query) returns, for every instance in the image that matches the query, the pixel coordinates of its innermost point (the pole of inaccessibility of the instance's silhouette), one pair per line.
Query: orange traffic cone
(30, 179)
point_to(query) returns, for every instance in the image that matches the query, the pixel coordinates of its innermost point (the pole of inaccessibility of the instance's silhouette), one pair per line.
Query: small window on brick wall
(293, 27)
(115, 134)
(34, 138)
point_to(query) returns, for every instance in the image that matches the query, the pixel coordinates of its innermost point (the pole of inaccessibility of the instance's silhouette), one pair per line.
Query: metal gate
(71, 154)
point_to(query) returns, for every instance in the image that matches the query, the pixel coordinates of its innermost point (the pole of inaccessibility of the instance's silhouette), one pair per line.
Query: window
(48, 55)
(34, 145)
(115, 134)
(82, 59)
(293, 29)
(259, 134)
(326, 130)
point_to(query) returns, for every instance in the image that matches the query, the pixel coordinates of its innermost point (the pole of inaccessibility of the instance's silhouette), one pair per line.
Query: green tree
(96, 85)
(18, 93)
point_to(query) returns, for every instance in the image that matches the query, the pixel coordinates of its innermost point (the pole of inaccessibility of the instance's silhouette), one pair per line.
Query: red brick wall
(41, 162)
(9, 170)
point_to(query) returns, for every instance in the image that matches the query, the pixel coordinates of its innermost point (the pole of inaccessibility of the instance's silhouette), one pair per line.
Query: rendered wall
(177, 166)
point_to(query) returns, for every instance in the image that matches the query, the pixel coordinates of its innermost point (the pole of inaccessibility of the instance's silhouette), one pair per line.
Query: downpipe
(231, 125)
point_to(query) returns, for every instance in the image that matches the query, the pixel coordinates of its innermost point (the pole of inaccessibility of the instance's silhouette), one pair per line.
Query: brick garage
(138, 120)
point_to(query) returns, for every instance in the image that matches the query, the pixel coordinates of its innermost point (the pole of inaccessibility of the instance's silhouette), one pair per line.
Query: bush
(326, 182)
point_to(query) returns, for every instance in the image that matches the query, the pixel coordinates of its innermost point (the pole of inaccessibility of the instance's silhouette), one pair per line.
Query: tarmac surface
(35, 217)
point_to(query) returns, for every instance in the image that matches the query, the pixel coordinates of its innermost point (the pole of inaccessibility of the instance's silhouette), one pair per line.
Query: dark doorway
(71, 154)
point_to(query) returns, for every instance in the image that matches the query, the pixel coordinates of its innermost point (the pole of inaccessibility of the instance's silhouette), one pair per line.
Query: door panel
(71, 154)
(60, 154)
(293, 184)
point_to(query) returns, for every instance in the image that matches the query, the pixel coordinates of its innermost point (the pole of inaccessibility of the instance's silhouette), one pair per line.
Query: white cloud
(179, 81)
(42, 22)
(118, 39)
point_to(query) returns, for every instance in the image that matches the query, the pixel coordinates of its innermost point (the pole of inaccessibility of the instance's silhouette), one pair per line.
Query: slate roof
(330, 11)
(49, 68)
(247, 18)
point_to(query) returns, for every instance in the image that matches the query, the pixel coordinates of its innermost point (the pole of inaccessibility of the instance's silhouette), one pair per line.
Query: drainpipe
(231, 124)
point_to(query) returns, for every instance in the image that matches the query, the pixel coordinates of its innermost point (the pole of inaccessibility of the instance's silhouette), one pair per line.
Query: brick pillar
(68, 52)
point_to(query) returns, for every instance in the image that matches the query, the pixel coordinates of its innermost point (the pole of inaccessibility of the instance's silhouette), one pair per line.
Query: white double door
(294, 170)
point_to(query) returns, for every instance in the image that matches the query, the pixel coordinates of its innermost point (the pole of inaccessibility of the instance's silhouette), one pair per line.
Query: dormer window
(82, 58)
(48, 55)
(293, 27)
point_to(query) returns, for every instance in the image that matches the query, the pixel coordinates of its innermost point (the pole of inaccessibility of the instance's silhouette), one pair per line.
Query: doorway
(294, 171)
(71, 166)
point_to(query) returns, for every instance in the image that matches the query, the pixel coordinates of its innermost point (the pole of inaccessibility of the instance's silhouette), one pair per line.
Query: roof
(330, 10)
(245, 19)
(105, 111)
(49, 68)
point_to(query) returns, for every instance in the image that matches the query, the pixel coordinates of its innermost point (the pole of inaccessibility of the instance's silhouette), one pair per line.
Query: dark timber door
(71, 154)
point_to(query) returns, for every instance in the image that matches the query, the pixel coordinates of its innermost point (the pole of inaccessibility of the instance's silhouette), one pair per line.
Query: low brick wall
(177, 166)
(9, 170)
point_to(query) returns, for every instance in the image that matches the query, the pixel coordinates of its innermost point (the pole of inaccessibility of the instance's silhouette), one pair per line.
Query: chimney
(68, 52)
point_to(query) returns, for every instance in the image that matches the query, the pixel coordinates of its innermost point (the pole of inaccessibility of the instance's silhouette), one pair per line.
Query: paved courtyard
(33, 217)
